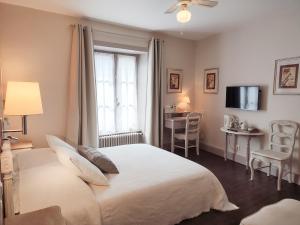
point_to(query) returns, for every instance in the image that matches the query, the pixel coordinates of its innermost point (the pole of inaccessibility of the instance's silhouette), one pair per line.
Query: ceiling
(149, 14)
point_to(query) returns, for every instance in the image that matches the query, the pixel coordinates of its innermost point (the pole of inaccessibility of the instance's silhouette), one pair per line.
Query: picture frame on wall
(175, 80)
(287, 76)
(211, 81)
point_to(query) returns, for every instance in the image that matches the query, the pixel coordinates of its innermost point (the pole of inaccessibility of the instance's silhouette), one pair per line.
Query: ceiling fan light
(184, 16)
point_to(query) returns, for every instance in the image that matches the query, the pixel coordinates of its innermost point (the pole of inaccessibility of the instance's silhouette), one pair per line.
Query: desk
(168, 115)
(247, 134)
(175, 123)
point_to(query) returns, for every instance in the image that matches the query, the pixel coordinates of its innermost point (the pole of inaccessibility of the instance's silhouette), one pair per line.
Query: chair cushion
(181, 136)
(271, 154)
(283, 212)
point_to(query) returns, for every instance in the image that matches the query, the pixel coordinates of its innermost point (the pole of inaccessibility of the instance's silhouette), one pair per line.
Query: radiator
(127, 138)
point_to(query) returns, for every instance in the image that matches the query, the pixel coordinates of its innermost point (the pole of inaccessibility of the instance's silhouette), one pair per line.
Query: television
(243, 97)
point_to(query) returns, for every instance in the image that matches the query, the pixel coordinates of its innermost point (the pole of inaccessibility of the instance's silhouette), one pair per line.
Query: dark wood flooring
(248, 196)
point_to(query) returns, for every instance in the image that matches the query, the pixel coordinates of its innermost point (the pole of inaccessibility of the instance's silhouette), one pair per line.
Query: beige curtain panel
(154, 106)
(82, 126)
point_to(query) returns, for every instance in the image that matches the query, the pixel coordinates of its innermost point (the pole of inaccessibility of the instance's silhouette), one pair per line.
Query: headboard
(4, 164)
(1, 204)
(7, 185)
(1, 107)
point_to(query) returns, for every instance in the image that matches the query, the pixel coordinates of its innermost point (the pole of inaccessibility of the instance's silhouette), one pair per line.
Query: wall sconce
(22, 99)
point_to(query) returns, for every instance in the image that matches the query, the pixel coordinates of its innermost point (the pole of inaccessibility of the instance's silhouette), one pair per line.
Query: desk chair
(281, 146)
(191, 133)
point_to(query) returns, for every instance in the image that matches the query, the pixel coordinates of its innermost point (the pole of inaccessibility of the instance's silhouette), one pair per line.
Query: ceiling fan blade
(207, 3)
(172, 9)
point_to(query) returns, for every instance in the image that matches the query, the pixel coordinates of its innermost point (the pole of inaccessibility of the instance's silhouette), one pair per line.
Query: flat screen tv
(243, 97)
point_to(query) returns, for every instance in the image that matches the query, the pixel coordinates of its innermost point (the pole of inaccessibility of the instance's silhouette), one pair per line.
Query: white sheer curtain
(126, 119)
(116, 78)
(105, 70)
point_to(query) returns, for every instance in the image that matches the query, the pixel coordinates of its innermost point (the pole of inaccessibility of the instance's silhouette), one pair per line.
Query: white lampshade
(187, 100)
(184, 15)
(23, 98)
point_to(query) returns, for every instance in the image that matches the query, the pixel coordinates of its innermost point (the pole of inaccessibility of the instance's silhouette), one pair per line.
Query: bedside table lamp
(22, 99)
(187, 101)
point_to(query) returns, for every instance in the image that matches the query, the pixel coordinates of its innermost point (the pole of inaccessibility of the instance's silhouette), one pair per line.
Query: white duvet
(156, 187)
(42, 182)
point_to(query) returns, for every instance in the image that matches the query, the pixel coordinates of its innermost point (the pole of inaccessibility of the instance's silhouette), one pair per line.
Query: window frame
(115, 56)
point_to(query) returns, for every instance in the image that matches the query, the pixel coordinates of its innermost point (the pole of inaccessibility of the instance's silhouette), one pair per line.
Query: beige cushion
(181, 136)
(285, 212)
(47, 216)
(271, 154)
(98, 159)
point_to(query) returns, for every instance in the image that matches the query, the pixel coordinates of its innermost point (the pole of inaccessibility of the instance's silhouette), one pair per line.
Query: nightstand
(47, 216)
(22, 145)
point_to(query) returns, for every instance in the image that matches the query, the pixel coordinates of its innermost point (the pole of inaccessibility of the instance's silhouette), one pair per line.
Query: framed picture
(174, 81)
(211, 81)
(286, 78)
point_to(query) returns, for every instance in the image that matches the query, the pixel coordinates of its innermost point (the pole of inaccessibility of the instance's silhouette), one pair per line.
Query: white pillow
(80, 166)
(64, 156)
(55, 142)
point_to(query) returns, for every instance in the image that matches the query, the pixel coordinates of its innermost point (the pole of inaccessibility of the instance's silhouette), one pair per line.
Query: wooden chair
(281, 145)
(191, 133)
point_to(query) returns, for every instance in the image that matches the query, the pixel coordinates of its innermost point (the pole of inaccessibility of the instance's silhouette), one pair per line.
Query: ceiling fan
(184, 15)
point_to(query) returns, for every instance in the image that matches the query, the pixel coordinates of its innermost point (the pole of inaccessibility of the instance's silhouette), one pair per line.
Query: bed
(153, 187)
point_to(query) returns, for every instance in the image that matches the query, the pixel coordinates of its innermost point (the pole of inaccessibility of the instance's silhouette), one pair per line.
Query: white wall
(247, 56)
(180, 54)
(35, 46)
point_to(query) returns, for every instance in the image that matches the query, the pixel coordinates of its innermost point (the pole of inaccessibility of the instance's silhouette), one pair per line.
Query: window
(116, 78)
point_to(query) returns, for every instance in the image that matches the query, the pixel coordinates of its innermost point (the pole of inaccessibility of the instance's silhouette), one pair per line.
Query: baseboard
(217, 151)
(242, 160)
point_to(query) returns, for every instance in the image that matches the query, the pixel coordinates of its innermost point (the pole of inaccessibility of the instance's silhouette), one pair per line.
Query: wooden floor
(248, 196)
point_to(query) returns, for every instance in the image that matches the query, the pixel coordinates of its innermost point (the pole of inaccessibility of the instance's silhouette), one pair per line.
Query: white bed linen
(156, 187)
(44, 182)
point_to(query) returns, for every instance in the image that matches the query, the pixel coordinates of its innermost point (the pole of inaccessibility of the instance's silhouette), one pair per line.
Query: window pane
(126, 93)
(104, 66)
